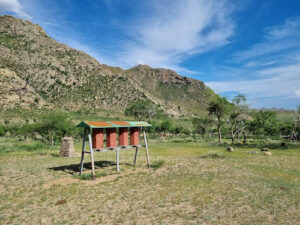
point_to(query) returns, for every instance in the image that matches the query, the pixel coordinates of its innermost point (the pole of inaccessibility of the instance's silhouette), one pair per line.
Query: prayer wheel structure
(98, 138)
(123, 136)
(111, 138)
(95, 131)
(134, 136)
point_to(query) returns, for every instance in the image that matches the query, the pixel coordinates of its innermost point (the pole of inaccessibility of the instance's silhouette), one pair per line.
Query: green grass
(18, 146)
(157, 164)
(89, 176)
(189, 182)
(213, 155)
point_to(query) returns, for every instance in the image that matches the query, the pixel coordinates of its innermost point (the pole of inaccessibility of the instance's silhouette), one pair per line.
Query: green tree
(237, 116)
(203, 125)
(295, 124)
(177, 130)
(54, 125)
(218, 107)
(166, 126)
(2, 131)
(265, 124)
(144, 110)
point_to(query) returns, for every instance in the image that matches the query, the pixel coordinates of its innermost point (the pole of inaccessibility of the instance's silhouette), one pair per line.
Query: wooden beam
(146, 146)
(135, 155)
(118, 159)
(83, 151)
(92, 155)
(119, 147)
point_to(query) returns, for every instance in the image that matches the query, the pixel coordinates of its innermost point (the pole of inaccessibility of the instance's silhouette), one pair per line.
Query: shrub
(89, 176)
(143, 110)
(157, 164)
(166, 126)
(186, 131)
(2, 132)
(213, 155)
(54, 125)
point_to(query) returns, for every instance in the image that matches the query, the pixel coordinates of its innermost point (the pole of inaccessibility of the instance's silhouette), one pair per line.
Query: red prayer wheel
(111, 137)
(134, 135)
(123, 136)
(97, 138)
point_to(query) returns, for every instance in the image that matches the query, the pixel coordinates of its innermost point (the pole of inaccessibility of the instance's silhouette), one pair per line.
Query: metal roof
(113, 124)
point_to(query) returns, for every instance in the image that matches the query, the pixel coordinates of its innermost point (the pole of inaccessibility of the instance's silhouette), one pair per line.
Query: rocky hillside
(37, 71)
(188, 95)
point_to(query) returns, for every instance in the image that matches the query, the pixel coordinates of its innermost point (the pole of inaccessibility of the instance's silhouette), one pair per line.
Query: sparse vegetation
(196, 185)
(157, 164)
(144, 110)
(214, 155)
(200, 172)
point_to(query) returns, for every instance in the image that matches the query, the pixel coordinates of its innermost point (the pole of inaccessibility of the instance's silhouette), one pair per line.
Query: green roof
(113, 124)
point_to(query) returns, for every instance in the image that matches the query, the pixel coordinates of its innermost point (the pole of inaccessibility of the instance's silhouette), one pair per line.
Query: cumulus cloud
(13, 6)
(281, 81)
(275, 67)
(177, 30)
(277, 39)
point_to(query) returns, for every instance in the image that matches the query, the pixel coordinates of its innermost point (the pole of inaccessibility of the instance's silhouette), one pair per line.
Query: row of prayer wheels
(111, 137)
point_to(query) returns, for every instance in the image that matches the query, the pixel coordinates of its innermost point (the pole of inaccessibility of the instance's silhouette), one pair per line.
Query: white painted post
(92, 154)
(146, 146)
(82, 152)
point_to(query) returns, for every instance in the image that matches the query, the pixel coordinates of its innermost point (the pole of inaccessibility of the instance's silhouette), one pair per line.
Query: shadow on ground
(74, 168)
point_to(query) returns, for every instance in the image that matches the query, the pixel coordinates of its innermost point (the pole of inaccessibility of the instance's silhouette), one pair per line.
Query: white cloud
(277, 39)
(13, 6)
(297, 93)
(175, 31)
(281, 81)
(271, 73)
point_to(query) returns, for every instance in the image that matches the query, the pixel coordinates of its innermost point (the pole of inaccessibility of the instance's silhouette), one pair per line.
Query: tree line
(49, 128)
(224, 118)
(232, 120)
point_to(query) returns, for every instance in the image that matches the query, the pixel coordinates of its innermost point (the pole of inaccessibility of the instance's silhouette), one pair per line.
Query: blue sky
(250, 47)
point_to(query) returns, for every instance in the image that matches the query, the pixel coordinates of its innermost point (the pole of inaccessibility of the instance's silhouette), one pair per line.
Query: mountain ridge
(37, 71)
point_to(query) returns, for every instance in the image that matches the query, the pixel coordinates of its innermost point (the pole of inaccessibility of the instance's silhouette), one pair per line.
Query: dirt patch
(69, 180)
(62, 181)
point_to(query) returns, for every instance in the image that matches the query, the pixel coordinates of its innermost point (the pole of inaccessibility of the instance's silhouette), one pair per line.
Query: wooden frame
(88, 131)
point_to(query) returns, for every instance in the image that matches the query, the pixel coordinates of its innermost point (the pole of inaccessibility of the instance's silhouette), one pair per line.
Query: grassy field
(190, 182)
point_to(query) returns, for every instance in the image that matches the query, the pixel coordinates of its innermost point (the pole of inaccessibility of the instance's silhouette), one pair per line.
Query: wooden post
(82, 152)
(135, 155)
(118, 159)
(92, 154)
(146, 146)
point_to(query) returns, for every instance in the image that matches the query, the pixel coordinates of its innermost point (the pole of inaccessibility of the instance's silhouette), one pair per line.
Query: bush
(157, 164)
(143, 110)
(2, 132)
(89, 176)
(166, 126)
(213, 155)
(186, 131)
(55, 125)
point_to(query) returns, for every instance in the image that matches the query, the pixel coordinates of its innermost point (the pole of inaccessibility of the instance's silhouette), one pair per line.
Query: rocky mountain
(37, 71)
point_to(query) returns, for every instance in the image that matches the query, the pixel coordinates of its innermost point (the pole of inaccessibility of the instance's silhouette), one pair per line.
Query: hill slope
(188, 95)
(37, 71)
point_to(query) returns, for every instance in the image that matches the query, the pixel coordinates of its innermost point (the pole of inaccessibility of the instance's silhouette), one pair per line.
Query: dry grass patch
(240, 188)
